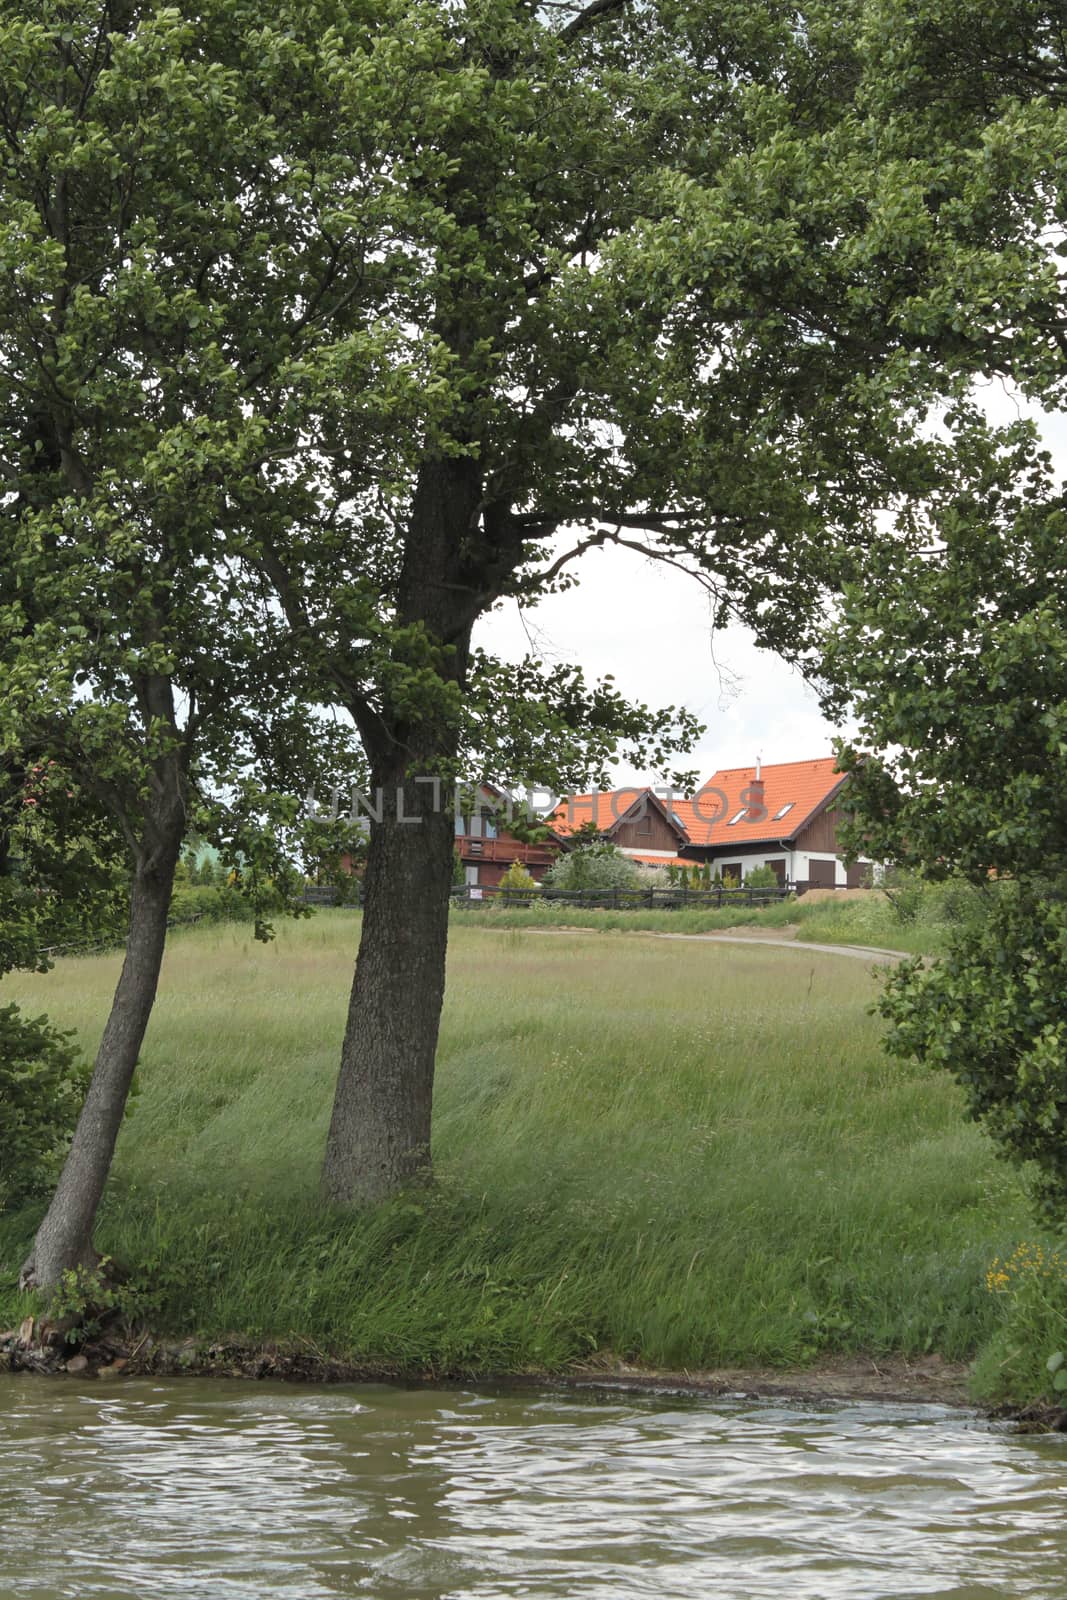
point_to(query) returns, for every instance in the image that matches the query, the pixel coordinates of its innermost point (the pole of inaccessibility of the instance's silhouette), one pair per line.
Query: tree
(957, 656)
(634, 272)
(952, 652)
(137, 407)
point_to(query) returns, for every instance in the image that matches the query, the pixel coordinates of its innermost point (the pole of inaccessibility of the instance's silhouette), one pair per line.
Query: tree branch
(590, 17)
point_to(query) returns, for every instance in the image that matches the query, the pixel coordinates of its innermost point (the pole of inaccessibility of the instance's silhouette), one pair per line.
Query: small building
(784, 816)
(487, 850)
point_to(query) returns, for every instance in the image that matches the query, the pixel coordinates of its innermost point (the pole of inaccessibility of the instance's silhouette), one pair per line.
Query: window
(644, 824)
(740, 817)
(780, 813)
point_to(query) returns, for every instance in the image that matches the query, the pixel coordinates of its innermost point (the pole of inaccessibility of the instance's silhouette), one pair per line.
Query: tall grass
(564, 914)
(686, 1154)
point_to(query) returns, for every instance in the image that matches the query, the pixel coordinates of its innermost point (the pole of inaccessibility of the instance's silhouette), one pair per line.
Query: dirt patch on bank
(925, 1379)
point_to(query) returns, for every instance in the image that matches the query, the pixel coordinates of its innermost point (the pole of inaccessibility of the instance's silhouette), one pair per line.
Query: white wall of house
(797, 865)
(661, 855)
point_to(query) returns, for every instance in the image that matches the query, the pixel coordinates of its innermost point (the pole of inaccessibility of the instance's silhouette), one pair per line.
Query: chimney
(756, 807)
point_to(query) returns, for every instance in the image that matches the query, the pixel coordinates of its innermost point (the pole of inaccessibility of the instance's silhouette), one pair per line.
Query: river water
(150, 1490)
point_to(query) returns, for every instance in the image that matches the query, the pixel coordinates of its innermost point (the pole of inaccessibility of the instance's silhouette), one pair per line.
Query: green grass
(686, 1154)
(864, 918)
(561, 914)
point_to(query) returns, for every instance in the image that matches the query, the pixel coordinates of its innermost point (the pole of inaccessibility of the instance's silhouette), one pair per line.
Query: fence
(107, 941)
(672, 898)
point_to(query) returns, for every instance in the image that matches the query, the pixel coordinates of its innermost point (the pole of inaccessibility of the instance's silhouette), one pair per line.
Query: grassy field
(685, 1154)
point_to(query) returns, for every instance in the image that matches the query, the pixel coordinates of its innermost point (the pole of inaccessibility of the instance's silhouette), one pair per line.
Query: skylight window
(740, 817)
(780, 813)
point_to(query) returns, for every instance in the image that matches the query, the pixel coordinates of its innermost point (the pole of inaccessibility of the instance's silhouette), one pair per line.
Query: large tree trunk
(379, 1138)
(65, 1238)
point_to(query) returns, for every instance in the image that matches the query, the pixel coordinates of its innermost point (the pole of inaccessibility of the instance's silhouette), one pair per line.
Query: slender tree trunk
(65, 1237)
(379, 1138)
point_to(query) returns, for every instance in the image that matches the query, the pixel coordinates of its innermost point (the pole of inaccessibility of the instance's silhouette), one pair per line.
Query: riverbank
(924, 1380)
(40, 1348)
(690, 1154)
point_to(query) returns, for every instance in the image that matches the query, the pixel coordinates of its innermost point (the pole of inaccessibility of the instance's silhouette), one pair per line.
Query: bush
(761, 878)
(220, 904)
(592, 866)
(516, 878)
(993, 1012)
(1027, 1357)
(42, 1085)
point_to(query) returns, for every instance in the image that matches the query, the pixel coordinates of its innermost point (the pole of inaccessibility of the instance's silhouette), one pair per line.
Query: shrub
(656, 877)
(761, 878)
(222, 903)
(993, 1012)
(592, 866)
(518, 878)
(1027, 1357)
(42, 1085)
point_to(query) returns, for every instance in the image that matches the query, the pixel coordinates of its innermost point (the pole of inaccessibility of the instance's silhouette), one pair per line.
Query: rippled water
(258, 1492)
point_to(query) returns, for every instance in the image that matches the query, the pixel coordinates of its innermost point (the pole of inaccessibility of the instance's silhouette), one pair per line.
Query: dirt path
(782, 939)
(861, 952)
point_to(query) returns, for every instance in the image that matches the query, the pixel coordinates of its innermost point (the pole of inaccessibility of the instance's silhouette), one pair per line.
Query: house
(783, 816)
(485, 847)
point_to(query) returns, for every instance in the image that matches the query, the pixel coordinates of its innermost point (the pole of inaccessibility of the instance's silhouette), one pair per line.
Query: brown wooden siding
(651, 832)
(820, 835)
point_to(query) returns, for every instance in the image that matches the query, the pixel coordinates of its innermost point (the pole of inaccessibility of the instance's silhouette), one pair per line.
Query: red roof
(793, 792)
(605, 808)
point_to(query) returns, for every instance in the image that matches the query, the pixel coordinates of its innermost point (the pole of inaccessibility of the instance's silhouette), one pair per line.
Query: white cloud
(649, 627)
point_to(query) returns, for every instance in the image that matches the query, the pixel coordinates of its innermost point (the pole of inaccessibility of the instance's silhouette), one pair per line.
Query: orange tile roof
(605, 808)
(803, 786)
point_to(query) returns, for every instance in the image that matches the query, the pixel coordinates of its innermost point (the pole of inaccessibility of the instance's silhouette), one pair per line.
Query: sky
(650, 627)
